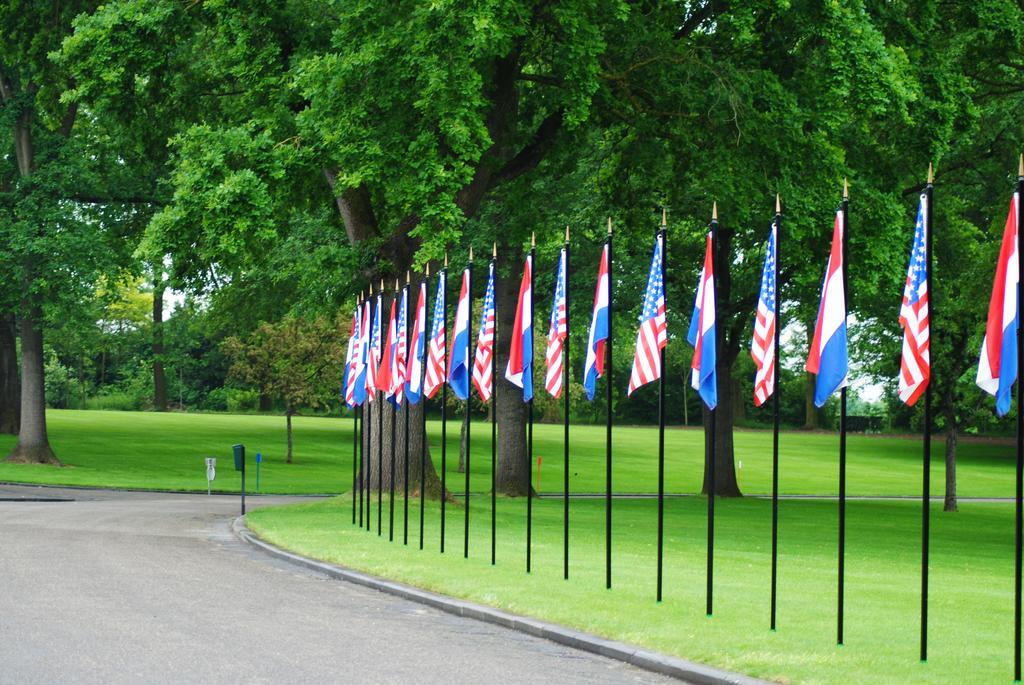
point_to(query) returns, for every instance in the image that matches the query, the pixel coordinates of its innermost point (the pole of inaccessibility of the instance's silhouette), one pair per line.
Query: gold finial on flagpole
(846, 189)
(931, 174)
(714, 211)
(382, 285)
(371, 290)
(408, 276)
(446, 260)
(494, 251)
(428, 270)
(778, 204)
(567, 233)
(1020, 166)
(533, 239)
(609, 225)
(470, 253)
(396, 284)
(664, 217)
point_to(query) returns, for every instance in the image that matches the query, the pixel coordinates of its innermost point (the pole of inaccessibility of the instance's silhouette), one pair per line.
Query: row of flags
(379, 362)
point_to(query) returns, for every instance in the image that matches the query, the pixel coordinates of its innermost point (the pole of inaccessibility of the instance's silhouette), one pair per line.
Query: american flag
(373, 359)
(401, 351)
(652, 337)
(436, 370)
(483, 360)
(349, 383)
(915, 367)
(557, 332)
(762, 349)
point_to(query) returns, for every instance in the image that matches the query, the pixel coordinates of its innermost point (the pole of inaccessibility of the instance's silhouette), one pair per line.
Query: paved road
(154, 588)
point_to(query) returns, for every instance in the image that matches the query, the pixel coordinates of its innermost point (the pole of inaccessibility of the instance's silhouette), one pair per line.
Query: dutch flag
(414, 383)
(701, 335)
(519, 371)
(593, 367)
(997, 368)
(458, 377)
(827, 358)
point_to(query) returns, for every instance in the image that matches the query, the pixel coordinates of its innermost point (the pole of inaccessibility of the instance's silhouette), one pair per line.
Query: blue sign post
(239, 451)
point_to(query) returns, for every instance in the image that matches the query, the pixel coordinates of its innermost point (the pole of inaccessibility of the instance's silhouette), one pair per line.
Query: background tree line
(272, 160)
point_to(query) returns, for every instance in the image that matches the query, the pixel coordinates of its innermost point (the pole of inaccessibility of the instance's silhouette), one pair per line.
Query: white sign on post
(211, 472)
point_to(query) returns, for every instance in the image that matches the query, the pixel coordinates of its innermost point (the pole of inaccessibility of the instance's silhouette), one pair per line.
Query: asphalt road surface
(118, 587)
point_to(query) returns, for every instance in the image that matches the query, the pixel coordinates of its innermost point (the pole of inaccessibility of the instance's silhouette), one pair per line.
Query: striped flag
(349, 382)
(519, 370)
(458, 375)
(762, 349)
(558, 331)
(652, 336)
(400, 351)
(373, 358)
(363, 348)
(703, 376)
(414, 381)
(915, 365)
(593, 367)
(828, 358)
(386, 373)
(483, 379)
(997, 368)
(436, 362)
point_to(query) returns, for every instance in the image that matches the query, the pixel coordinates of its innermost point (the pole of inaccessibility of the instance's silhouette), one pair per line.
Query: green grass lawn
(151, 450)
(971, 580)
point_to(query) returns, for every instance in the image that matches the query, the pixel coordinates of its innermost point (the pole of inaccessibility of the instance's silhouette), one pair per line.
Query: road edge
(687, 671)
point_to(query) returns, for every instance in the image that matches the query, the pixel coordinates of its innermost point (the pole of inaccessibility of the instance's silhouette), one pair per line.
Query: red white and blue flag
(828, 355)
(483, 360)
(436, 361)
(593, 366)
(386, 373)
(373, 358)
(349, 381)
(558, 331)
(703, 376)
(915, 364)
(458, 377)
(414, 381)
(652, 336)
(762, 348)
(997, 368)
(362, 351)
(399, 351)
(519, 370)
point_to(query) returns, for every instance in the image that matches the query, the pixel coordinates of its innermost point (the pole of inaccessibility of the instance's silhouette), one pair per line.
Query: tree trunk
(725, 467)
(159, 377)
(266, 402)
(377, 463)
(288, 418)
(513, 472)
(33, 446)
(951, 438)
(10, 386)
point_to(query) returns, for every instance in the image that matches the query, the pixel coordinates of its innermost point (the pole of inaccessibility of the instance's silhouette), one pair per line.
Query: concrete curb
(687, 671)
(165, 491)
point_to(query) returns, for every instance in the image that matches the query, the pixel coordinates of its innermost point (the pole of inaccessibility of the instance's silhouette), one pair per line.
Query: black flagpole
(711, 441)
(469, 394)
(356, 483)
(423, 401)
(775, 410)
(444, 395)
(394, 442)
(494, 411)
(1020, 444)
(842, 425)
(405, 479)
(608, 427)
(661, 420)
(927, 460)
(367, 455)
(380, 423)
(565, 413)
(529, 426)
